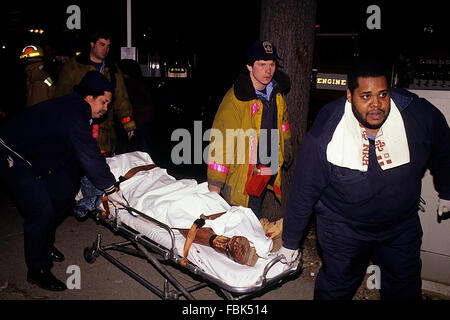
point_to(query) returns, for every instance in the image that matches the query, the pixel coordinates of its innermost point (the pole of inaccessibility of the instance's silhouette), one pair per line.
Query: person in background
(44, 152)
(143, 108)
(39, 84)
(360, 168)
(103, 129)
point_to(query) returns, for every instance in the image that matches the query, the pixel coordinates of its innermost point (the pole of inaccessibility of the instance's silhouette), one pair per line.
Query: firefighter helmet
(32, 53)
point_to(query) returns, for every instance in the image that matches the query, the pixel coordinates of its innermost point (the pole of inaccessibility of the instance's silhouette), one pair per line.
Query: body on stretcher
(237, 248)
(177, 204)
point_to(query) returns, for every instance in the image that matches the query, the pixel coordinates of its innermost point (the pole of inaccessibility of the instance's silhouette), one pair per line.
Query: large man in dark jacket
(43, 153)
(360, 167)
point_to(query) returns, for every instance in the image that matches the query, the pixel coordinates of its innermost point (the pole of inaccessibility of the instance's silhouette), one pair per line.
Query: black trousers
(255, 203)
(43, 203)
(345, 262)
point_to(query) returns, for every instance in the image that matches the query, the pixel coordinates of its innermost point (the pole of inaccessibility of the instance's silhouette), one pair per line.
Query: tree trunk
(289, 25)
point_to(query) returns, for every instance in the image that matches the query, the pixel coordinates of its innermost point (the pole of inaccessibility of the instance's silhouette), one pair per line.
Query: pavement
(100, 280)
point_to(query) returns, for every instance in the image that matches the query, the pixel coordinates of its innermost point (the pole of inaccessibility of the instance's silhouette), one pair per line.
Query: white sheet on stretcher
(178, 203)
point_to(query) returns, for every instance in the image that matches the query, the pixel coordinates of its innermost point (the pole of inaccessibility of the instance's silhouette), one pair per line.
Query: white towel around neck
(349, 146)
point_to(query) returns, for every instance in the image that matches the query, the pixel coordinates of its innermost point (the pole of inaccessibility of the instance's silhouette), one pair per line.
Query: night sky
(222, 29)
(217, 33)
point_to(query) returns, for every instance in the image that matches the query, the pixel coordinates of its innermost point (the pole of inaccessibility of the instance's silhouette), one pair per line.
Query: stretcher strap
(127, 176)
(132, 172)
(212, 216)
(192, 233)
(190, 238)
(105, 206)
(135, 170)
(105, 202)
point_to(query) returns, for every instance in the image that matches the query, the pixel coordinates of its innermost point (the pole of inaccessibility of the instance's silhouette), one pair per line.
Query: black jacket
(55, 137)
(373, 205)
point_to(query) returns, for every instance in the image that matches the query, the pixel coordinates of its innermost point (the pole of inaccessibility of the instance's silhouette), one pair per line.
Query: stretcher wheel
(89, 256)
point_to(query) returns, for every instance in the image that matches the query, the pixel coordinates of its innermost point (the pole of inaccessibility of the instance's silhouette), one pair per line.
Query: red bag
(257, 181)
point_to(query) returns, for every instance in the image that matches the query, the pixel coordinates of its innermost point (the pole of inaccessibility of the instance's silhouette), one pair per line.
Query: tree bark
(289, 25)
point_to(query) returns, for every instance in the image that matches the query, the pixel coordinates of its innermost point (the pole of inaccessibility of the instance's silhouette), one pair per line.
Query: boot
(46, 280)
(236, 248)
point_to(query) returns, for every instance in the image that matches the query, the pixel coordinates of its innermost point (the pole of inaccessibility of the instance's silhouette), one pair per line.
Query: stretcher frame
(156, 255)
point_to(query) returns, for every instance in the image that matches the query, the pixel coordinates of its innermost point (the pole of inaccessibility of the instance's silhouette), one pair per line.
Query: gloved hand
(289, 255)
(443, 206)
(116, 198)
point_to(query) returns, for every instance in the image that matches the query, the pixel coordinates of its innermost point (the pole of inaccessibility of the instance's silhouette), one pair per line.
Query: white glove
(443, 206)
(116, 199)
(289, 255)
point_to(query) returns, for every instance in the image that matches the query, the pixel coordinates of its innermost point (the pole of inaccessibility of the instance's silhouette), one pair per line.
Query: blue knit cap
(96, 80)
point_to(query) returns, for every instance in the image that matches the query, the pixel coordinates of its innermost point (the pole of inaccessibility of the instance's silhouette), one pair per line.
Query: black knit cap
(95, 80)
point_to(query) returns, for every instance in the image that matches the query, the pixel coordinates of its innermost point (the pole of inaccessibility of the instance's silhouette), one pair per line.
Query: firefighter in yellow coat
(250, 136)
(39, 84)
(73, 71)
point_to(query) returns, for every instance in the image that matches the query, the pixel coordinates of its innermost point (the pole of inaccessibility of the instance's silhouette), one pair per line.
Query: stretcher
(158, 209)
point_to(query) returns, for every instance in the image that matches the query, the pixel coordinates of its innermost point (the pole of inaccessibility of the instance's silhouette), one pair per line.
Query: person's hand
(443, 206)
(130, 134)
(289, 255)
(213, 188)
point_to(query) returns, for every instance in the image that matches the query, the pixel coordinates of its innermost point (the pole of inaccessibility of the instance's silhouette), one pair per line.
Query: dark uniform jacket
(376, 205)
(103, 129)
(39, 84)
(54, 136)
